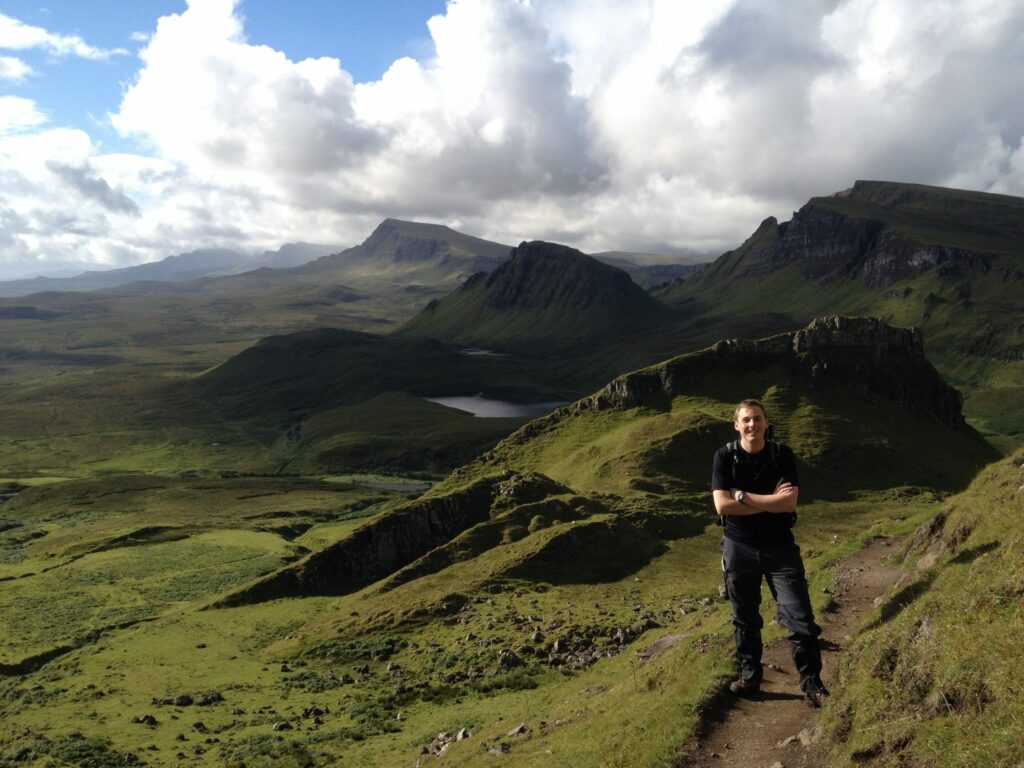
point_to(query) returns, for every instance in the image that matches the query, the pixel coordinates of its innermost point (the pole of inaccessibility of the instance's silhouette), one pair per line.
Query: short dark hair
(749, 403)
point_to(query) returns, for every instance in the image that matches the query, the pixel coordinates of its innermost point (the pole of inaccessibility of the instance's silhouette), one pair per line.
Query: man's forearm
(735, 508)
(774, 502)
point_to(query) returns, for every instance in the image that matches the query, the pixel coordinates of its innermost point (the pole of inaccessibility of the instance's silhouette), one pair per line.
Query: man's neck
(753, 447)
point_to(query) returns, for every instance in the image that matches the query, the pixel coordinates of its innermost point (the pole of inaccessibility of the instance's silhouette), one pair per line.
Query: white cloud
(643, 125)
(16, 35)
(17, 114)
(14, 69)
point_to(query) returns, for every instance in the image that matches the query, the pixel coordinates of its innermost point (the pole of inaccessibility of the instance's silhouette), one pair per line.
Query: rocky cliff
(869, 232)
(872, 360)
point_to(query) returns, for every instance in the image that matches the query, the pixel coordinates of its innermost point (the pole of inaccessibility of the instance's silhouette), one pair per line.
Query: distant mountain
(292, 255)
(207, 262)
(412, 252)
(544, 298)
(649, 269)
(397, 256)
(949, 261)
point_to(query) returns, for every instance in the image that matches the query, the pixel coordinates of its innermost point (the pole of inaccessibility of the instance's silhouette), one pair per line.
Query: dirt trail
(777, 729)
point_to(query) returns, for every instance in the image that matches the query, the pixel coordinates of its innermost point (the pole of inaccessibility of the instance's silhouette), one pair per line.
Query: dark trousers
(781, 565)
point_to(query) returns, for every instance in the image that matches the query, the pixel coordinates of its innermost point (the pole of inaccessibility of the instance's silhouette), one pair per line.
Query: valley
(251, 519)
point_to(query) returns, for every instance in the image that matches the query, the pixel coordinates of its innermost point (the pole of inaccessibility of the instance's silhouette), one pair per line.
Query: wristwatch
(740, 496)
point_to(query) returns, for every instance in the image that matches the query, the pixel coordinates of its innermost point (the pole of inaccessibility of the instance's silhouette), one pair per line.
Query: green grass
(107, 589)
(932, 680)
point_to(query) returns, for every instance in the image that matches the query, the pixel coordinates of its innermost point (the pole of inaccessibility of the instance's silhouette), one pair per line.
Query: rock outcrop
(873, 361)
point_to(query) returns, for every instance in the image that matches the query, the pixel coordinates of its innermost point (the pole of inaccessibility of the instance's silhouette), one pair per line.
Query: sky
(132, 130)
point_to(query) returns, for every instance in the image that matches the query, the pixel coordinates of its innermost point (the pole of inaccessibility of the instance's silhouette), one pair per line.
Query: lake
(495, 409)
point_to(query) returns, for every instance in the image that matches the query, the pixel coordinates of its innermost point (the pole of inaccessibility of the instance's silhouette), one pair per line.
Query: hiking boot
(745, 686)
(815, 692)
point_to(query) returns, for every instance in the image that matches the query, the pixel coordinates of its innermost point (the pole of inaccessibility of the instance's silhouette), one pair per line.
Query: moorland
(235, 531)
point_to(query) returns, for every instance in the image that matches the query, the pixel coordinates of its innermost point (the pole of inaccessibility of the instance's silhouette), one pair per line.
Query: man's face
(751, 423)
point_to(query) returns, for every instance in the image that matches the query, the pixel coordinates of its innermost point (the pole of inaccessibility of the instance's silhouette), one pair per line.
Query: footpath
(776, 729)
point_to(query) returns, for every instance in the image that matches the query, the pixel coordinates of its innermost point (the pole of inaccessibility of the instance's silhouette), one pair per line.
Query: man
(755, 489)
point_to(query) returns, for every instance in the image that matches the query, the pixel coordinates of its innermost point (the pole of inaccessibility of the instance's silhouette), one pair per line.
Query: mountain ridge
(182, 267)
(544, 297)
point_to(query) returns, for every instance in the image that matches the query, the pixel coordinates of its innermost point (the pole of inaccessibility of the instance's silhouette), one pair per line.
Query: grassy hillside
(933, 680)
(564, 606)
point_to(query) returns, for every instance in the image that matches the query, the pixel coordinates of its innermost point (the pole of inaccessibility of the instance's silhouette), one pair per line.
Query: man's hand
(784, 488)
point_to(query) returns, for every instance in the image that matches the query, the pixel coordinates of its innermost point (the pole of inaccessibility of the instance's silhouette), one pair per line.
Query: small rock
(508, 660)
(498, 749)
(519, 730)
(808, 736)
(200, 727)
(787, 742)
(145, 720)
(463, 734)
(282, 726)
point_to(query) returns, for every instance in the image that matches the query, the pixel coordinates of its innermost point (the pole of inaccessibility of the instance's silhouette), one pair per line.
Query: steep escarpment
(949, 261)
(880, 233)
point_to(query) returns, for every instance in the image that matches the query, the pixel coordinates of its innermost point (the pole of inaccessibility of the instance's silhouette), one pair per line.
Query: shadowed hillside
(546, 298)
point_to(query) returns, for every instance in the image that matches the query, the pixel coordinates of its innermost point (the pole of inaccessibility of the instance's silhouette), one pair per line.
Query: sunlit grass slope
(935, 677)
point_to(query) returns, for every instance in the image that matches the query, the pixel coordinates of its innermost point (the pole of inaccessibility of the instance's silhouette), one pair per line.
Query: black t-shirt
(755, 473)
